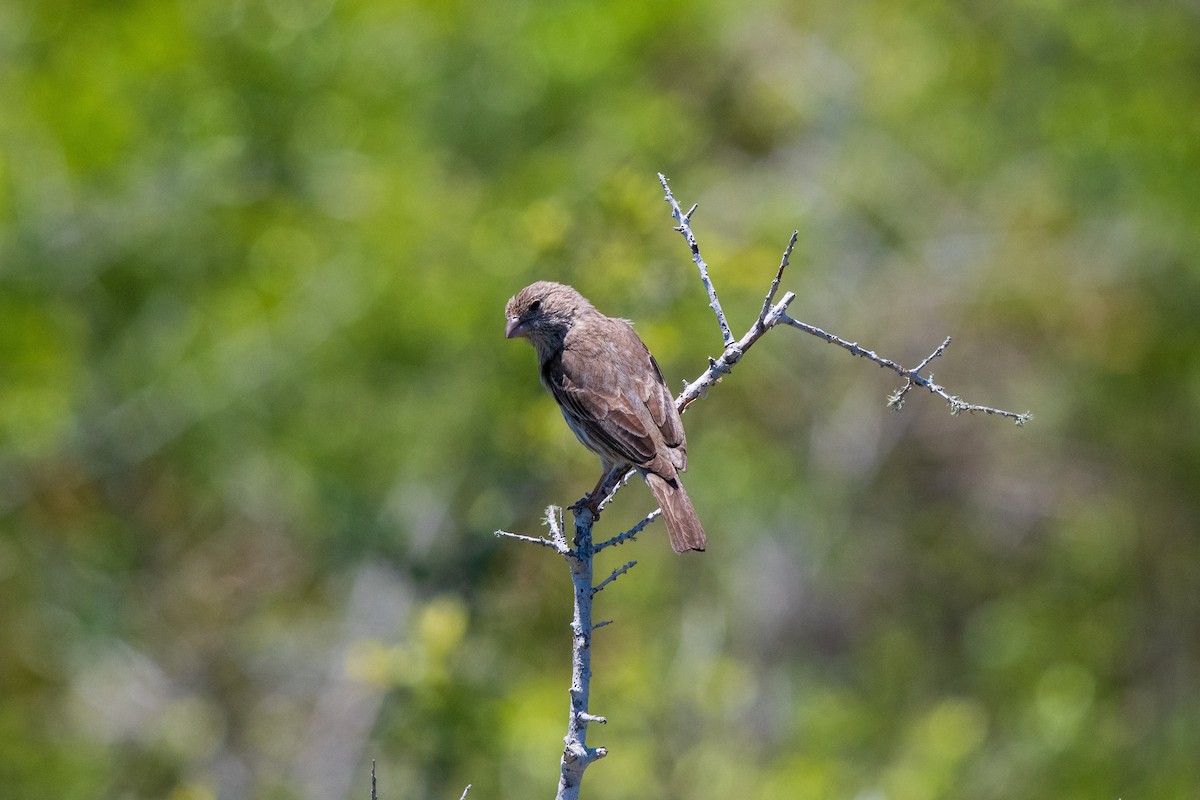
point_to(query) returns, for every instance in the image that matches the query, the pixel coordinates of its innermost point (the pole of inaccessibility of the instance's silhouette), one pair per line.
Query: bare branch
(685, 228)
(783, 264)
(632, 532)
(616, 573)
(957, 404)
(544, 542)
(772, 315)
(896, 399)
(941, 348)
(624, 479)
(732, 354)
(464, 794)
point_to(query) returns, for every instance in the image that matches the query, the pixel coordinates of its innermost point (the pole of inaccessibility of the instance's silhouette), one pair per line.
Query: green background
(258, 420)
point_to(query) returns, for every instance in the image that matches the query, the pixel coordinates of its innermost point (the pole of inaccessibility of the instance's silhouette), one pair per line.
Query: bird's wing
(608, 419)
(617, 391)
(661, 404)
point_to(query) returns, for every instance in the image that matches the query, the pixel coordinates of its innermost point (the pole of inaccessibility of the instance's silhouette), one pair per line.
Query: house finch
(612, 394)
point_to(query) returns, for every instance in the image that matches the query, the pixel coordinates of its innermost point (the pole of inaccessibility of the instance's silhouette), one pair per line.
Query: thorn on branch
(577, 756)
(719, 367)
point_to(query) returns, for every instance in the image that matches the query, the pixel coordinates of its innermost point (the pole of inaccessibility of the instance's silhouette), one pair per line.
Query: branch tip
(685, 229)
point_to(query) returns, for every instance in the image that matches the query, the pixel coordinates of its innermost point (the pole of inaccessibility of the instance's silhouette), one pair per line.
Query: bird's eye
(535, 305)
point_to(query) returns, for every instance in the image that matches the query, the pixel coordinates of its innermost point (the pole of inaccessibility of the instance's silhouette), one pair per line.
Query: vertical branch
(576, 754)
(580, 557)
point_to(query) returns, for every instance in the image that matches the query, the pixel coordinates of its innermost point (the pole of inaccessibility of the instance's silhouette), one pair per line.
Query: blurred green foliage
(258, 420)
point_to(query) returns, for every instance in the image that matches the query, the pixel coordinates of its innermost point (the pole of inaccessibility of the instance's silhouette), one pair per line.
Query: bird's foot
(589, 501)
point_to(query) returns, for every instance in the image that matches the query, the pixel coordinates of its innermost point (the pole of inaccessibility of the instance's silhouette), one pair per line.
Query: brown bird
(612, 394)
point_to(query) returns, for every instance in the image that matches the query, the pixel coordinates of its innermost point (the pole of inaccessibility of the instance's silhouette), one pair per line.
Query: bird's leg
(592, 499)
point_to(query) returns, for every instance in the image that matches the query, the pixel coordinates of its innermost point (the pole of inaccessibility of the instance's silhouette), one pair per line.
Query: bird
(612, 395)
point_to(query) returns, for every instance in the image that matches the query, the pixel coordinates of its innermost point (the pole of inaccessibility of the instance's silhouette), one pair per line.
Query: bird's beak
(515, 328)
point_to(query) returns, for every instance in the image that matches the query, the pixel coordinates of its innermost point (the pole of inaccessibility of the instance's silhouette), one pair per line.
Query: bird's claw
(589, 502)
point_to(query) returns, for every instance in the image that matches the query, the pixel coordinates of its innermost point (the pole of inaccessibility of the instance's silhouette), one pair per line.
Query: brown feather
(683, 526)
(611, 393)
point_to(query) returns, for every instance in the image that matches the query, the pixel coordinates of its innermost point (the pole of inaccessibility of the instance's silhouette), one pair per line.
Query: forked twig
(772, 315)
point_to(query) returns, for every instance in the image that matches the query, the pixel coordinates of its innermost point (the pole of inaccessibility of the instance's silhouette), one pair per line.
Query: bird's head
(543, 313)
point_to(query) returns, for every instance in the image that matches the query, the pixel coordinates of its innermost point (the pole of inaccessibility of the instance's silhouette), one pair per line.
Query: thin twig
(896, 399)
(783, 263)
(685, 228)
(616, 573)
(611, 493)
(957, 404)
(464, 794)
(941, 348)
(632, 532)
(544, 542)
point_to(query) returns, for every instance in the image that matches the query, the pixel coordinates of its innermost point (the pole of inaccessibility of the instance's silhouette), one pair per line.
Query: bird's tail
(683, 526)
